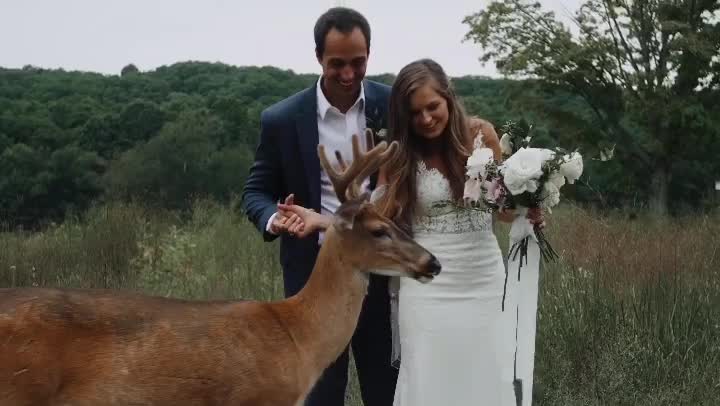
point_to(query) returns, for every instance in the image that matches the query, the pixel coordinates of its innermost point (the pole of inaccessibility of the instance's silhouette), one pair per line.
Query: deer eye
(379, 233)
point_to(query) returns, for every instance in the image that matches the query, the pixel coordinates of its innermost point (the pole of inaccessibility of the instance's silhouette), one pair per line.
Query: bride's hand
(507, 215)
(303, 222)
(536, 217)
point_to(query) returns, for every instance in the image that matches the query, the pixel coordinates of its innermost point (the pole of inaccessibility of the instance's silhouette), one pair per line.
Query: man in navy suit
(342, 103)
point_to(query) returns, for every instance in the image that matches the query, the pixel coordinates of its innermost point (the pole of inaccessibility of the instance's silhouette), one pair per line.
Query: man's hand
(303, 222)
(280, 222)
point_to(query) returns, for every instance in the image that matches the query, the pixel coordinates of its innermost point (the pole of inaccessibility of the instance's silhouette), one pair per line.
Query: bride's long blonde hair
(399, 201)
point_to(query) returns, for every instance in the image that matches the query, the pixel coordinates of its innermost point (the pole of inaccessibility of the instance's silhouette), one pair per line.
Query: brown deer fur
(65, 347)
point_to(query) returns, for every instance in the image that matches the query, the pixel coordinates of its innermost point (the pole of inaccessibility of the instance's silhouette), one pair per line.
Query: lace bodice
(436, 214)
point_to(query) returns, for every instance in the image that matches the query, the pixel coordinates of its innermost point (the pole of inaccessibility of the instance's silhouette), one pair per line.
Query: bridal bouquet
(528, 179)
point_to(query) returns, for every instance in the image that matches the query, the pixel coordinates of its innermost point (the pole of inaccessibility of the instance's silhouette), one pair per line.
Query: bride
(455, 342)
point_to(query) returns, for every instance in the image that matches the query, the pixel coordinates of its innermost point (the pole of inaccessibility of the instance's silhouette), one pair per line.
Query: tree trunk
(659, 186)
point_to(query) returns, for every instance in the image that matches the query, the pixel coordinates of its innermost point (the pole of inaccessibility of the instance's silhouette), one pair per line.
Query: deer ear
(378, 193)
(348, 212)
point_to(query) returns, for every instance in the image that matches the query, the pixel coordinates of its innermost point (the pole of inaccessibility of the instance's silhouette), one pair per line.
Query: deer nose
(434, 266)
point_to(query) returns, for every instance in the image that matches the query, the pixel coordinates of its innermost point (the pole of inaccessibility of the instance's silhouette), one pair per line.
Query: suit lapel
(374, 119)
(373, 114)
(307, 133)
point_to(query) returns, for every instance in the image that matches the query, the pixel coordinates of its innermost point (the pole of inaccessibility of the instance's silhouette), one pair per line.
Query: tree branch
(612, 18)
(625, 138)
(628, 83)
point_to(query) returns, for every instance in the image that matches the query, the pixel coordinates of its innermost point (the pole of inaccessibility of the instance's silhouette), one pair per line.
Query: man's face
(344, 62)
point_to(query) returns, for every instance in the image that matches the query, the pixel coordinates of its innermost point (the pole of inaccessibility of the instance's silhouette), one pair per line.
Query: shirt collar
(324, 105)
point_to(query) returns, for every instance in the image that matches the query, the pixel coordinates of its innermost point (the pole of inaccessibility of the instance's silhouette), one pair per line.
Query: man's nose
(347, 73)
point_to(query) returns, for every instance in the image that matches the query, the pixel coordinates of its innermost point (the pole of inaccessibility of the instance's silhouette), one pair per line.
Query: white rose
(480, 156)
(543, 154)
(477, 162)
(550, 196)
(518, 181)
(572, 168)
(521, 171)
(557, 179)
(506, 145)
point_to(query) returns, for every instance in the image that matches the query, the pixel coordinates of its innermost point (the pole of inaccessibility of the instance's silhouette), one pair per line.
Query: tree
(200, 120)
(643, 68)
(128, 69)
(139, 120)
(41, 184)
(186, 159)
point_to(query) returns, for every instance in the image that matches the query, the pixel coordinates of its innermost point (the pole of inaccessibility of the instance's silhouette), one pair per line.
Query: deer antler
(363, 165)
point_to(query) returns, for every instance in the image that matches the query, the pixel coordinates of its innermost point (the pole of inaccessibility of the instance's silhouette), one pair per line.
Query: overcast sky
(103, 36)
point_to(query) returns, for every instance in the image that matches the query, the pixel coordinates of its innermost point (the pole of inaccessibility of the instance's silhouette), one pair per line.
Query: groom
(341, 104)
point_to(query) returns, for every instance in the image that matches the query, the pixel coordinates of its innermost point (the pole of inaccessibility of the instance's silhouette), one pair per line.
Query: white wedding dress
(456, 343)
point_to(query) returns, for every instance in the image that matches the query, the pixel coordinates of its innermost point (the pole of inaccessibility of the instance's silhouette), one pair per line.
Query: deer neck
(330, 302)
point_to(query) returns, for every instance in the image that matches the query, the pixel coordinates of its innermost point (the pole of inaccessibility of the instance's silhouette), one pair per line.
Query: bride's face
(428, 112)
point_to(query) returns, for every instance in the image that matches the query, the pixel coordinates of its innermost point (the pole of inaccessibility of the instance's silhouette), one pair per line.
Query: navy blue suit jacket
(286, 162)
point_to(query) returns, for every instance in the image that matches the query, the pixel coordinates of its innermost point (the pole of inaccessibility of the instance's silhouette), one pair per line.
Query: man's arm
(263, 187)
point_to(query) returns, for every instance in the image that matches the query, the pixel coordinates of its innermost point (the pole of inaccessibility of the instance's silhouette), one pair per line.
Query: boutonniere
(378, 135)
(382, 134)
(374, 126)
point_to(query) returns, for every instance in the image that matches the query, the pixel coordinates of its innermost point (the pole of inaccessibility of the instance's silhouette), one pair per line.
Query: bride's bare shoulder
(476, 123)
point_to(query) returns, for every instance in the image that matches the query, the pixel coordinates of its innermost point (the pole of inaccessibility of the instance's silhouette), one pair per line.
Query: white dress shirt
(335, 131)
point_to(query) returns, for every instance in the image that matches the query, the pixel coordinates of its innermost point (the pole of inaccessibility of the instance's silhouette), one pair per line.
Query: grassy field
(630, 315)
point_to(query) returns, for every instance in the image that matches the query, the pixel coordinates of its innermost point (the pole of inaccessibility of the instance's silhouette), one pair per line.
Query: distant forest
(165, 137)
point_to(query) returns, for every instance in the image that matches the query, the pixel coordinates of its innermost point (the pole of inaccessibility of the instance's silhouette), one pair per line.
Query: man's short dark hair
(342, 19)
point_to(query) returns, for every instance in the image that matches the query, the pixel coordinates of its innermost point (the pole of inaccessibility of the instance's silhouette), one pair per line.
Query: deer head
(376, 244)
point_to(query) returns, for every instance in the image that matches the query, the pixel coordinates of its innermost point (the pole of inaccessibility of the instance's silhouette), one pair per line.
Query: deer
(89, 347)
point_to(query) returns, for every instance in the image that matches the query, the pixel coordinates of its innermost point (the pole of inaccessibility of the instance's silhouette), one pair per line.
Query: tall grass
(214, 253)
(629, 315)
